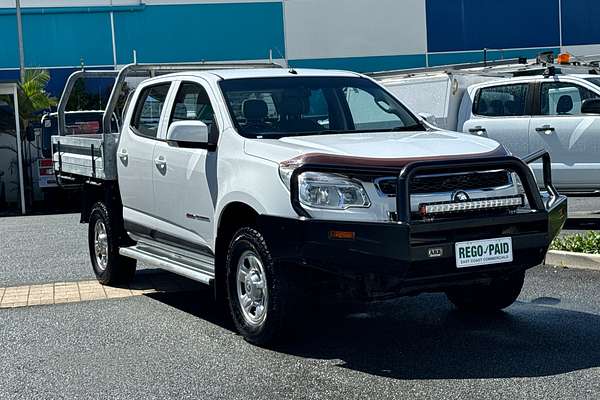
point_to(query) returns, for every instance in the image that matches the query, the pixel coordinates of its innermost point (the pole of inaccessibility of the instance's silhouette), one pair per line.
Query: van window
(151, 102)
(502, 101)
(563, 98)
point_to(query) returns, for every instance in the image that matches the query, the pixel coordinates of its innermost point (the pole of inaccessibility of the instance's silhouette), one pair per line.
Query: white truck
(280, 186)
(526, 107)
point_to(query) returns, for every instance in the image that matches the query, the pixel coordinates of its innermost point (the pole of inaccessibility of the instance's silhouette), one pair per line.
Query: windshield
(292, 106)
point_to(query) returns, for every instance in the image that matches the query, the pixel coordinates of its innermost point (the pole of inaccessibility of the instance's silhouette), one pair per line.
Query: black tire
(111, 268)
(499, 294)
(249, 242)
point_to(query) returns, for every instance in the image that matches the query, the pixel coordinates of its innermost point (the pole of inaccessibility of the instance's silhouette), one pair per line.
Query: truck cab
(280, 187)
(542, 112)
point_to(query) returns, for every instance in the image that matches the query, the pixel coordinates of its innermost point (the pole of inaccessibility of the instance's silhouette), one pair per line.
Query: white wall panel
(354, 28)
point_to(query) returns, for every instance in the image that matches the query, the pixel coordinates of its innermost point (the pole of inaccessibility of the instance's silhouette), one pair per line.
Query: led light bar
(426, 209)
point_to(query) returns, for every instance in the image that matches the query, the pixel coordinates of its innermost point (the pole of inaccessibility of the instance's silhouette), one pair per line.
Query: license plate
(483, 252)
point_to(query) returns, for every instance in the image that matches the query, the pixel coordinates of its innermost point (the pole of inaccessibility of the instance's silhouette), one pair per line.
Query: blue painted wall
(581, 22)
(9, 54)
(437, 59)
(65, 39)
(200, 32)
(458, 25)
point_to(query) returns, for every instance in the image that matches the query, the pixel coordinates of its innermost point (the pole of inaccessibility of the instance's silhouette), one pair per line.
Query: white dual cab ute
(283, 186)
(525, 107)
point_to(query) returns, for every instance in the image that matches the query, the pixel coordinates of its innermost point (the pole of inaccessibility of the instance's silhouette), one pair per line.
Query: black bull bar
(408, 172)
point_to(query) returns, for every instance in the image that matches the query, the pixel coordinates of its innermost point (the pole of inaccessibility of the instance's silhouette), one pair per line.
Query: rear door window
(148, 110)
(502, 101)
(563, 98)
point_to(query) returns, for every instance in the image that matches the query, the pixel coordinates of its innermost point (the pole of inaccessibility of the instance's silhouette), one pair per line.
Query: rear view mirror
(384, 106)
(188, 132)
(591, 106)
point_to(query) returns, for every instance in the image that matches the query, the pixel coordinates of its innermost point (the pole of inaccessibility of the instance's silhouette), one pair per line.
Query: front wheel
(110, 267)
(499, 294)
(257, 288)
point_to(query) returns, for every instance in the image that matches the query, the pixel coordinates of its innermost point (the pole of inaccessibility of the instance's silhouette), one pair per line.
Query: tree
(33, 97)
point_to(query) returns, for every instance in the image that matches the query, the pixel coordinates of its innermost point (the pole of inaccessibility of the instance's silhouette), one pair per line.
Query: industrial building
(360, 35)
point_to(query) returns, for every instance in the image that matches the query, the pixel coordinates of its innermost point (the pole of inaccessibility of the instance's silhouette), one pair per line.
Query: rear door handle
(124, 156)
(547, 129)
(478, 130)
(160, 162)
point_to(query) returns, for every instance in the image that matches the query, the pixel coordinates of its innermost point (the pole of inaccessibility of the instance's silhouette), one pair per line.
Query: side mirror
(591, 106)
(189, 132)
(429, 118)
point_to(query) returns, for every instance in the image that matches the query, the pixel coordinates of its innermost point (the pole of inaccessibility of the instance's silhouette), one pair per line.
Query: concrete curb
(573, 260)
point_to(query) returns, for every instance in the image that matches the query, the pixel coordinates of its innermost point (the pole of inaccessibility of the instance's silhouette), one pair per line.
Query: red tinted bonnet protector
(350, 161)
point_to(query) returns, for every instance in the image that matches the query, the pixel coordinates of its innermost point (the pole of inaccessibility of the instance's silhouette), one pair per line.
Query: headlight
(331, 191)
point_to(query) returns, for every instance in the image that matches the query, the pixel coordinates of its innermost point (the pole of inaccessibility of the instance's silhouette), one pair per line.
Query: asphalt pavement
(43, 248)
(178, 345)
(547, 346)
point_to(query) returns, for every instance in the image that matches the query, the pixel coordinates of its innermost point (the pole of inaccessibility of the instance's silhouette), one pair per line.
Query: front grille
(446, 183)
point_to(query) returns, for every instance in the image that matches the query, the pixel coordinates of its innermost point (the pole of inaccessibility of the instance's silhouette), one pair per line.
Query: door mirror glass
(191, 132)
(591, 106)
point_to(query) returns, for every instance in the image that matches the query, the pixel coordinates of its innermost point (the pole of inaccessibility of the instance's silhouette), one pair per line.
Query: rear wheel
(499, 294)
(257, 288)
(103, 236)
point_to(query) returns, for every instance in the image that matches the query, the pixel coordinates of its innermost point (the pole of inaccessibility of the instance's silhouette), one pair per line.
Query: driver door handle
(478, 130)
(547, 129)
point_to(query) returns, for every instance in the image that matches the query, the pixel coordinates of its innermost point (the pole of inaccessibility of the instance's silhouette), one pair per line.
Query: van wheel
(499, 294)
(109, 266)
(257, 290)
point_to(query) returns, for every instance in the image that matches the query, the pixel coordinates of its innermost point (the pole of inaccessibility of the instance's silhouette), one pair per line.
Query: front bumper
(404, 257)
(395, 257)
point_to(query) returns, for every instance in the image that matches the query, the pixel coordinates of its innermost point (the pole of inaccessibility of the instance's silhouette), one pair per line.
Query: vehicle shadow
(425, 338)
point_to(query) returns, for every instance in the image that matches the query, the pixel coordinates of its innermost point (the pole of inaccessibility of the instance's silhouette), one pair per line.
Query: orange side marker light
(342, 235)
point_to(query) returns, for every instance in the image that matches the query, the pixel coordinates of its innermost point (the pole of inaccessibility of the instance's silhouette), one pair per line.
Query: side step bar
(180, 267)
